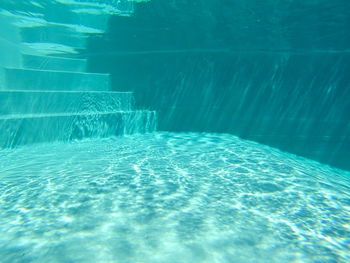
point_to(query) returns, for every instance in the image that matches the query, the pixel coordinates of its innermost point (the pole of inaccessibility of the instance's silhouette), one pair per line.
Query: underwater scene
(174, 131)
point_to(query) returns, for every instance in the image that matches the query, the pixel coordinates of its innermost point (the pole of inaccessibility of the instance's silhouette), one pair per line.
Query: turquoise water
(124, 128)
(170, 197)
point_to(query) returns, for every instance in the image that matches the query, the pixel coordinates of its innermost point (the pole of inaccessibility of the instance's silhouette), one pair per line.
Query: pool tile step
(32, 79)
(24, 129)
(95, 16)
(89, 19)
(54, 63)
(50, 97)
(106, 6)
(25, 20)
(54, 33)
(49, 49)
(22, 102)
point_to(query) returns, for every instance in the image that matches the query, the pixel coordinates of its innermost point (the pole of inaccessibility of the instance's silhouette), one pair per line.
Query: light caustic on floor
(166, 197)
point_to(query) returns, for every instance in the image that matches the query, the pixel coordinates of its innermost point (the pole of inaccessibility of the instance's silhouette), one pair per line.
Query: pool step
(22, 6)
(86, 13)
(107, 6)
(54, 33)
(25, 20)
(54, 63)
(49, 96)
(90, 18)
(34, 128)
(90, 13)
(22, 102)
(49, 49)
(32, 79)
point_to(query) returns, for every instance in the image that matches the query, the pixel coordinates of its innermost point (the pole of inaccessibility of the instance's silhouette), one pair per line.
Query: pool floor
(170, 198)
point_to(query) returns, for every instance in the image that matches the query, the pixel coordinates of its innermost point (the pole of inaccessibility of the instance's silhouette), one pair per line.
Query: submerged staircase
(48, 95)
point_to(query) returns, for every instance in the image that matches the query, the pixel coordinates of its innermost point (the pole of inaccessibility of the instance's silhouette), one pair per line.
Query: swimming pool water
(166, 197)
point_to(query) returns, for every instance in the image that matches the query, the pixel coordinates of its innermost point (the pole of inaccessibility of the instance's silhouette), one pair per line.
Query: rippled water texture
(164, 197)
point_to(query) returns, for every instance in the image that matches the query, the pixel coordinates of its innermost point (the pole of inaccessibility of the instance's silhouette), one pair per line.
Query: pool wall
(269, 72)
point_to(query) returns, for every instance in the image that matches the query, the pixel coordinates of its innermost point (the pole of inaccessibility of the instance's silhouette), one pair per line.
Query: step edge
(53, 57)
(67, 91)
(68, 114)
(57, 71)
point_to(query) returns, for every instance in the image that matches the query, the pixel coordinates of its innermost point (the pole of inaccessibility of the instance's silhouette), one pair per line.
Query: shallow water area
(170, 197)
